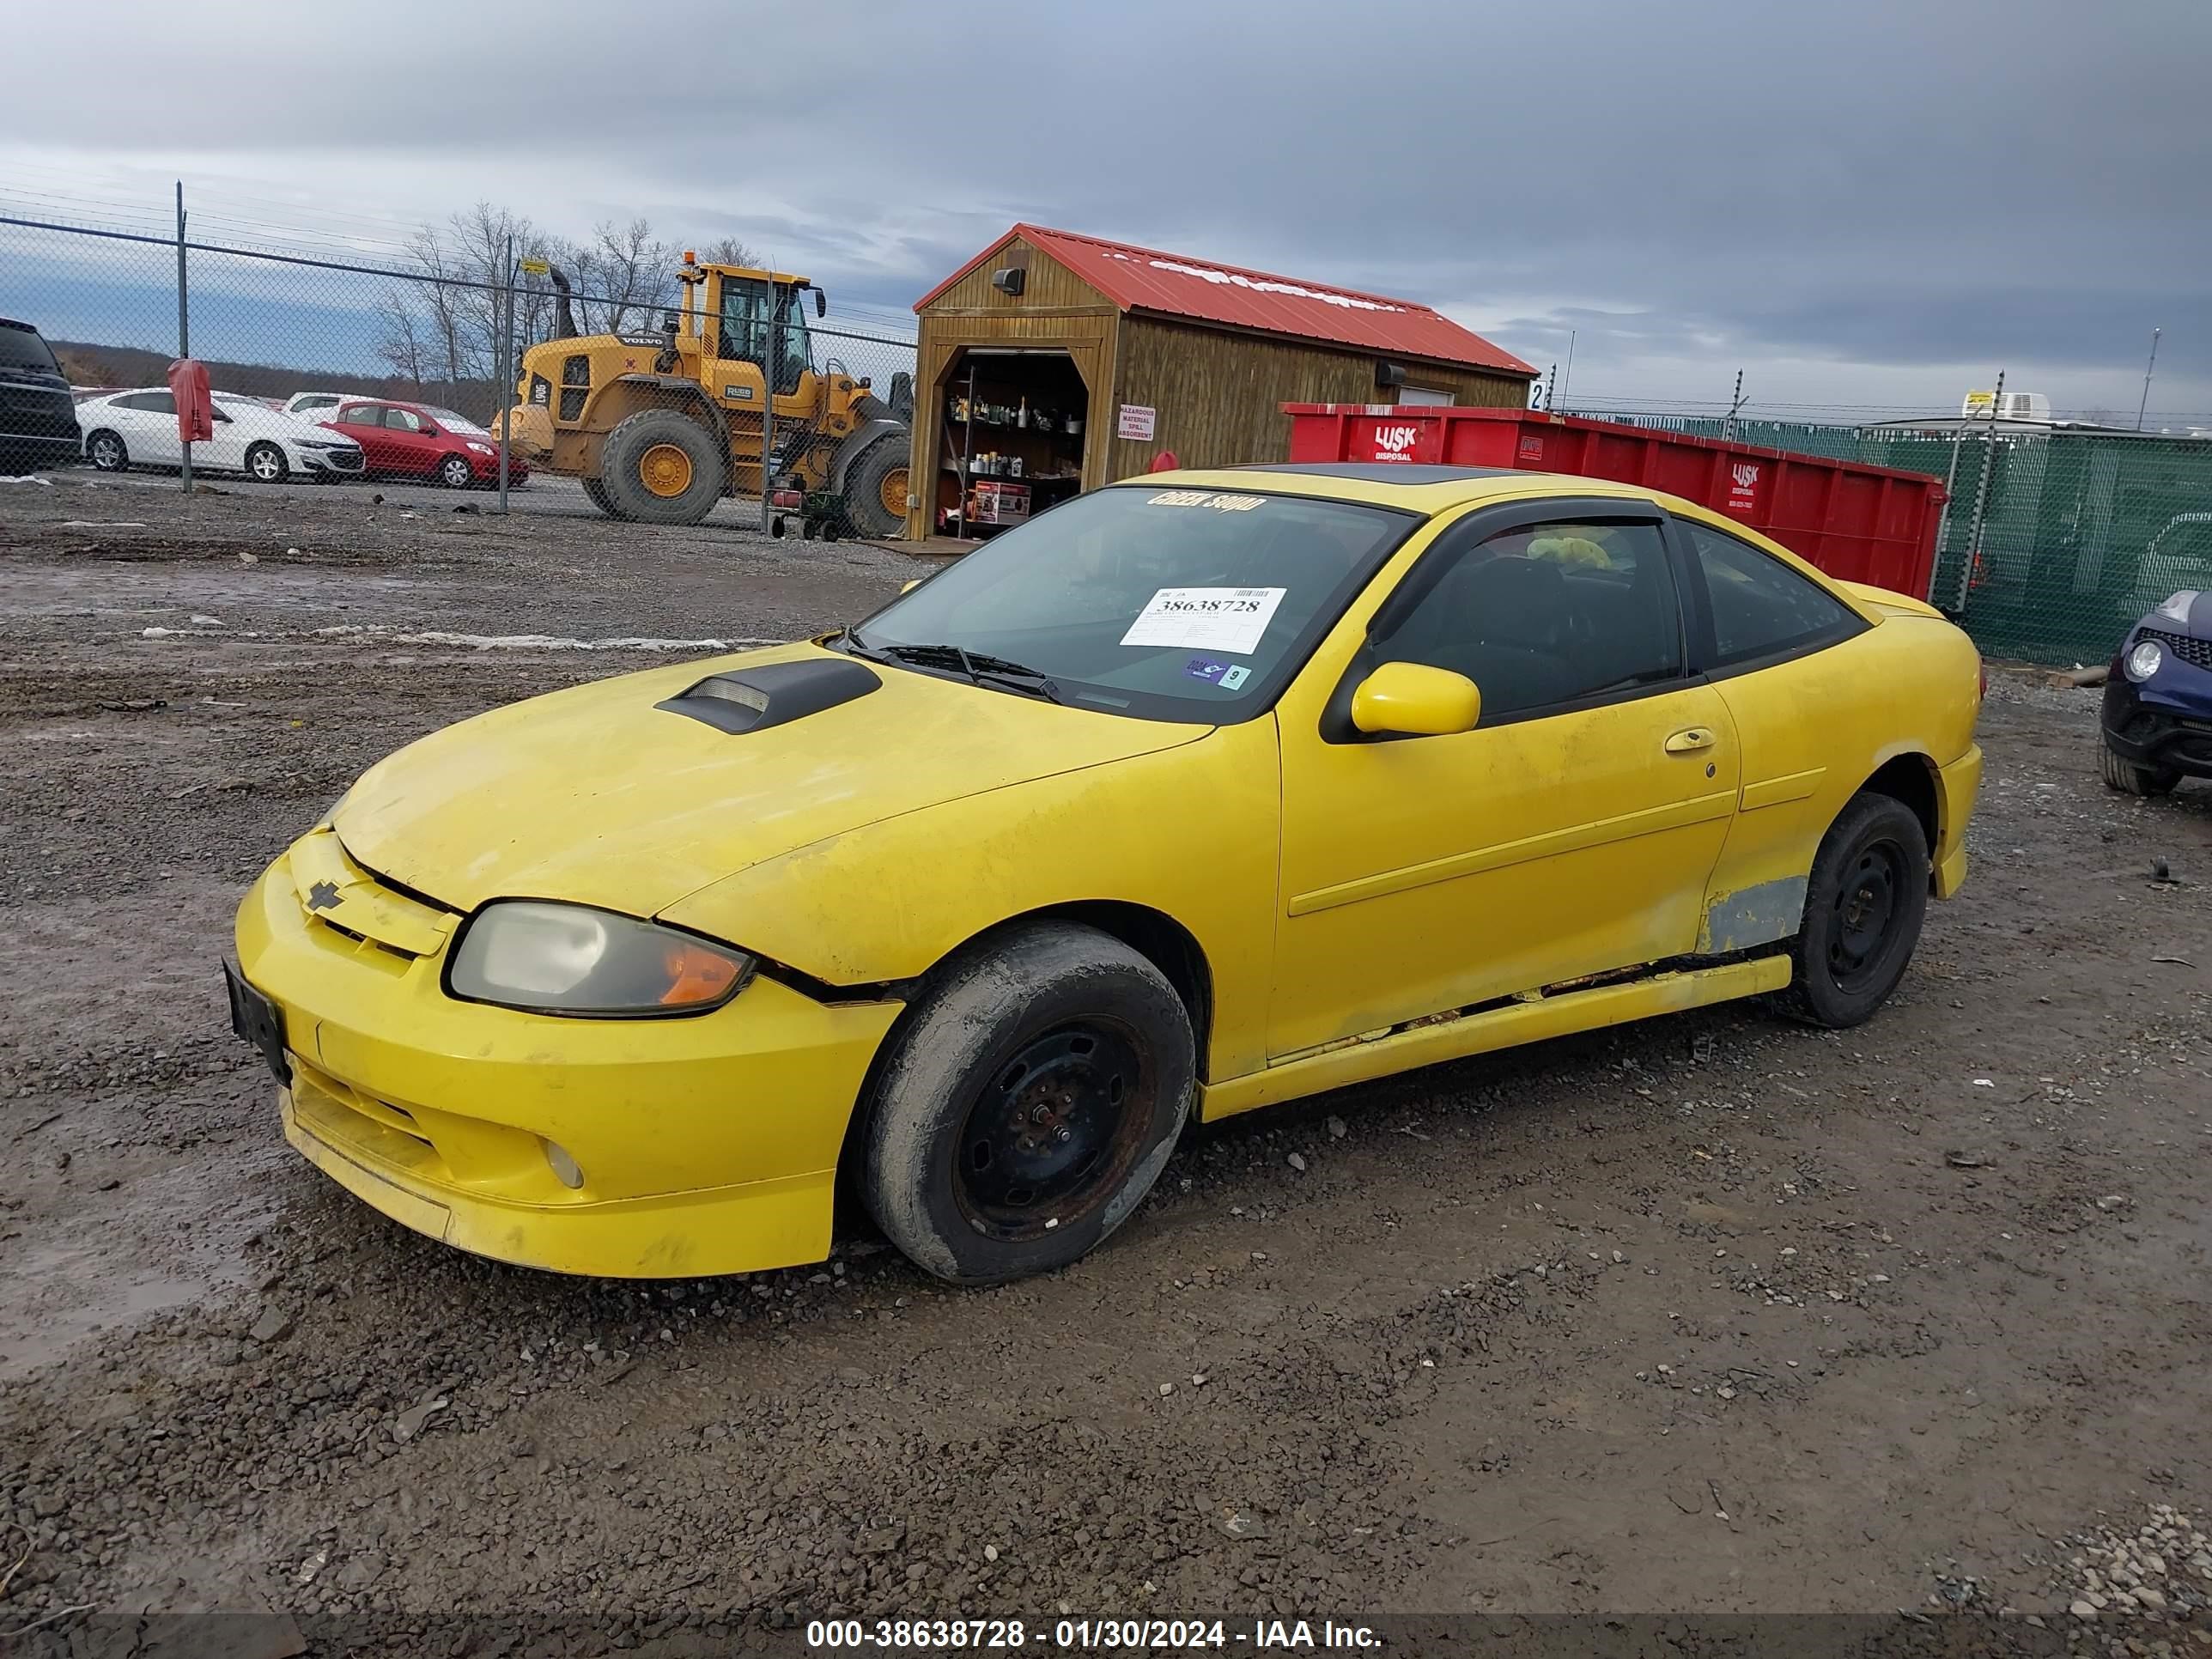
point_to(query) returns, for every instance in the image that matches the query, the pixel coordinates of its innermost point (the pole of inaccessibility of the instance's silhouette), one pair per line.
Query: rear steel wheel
(1863, 906)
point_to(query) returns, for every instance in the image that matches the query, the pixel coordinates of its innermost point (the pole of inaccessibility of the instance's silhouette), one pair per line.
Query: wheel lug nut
(1040, 1114)
(1066, 1135)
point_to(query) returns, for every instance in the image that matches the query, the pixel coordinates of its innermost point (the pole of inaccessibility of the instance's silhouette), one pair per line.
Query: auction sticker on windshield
(1205, 618)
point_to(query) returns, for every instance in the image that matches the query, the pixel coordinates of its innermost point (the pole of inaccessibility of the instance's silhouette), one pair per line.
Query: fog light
(563, 1166)
(2145, 660)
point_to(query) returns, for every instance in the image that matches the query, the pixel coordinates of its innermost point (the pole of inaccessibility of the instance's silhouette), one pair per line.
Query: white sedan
(125, 429)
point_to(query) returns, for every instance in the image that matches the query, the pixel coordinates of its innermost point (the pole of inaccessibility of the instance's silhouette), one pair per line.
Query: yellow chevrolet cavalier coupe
(1199, 793)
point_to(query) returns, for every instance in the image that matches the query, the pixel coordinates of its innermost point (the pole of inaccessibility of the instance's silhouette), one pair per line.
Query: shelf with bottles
(1019, 416)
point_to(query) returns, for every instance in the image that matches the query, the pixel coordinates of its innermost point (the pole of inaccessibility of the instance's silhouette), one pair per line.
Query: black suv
(38, 416)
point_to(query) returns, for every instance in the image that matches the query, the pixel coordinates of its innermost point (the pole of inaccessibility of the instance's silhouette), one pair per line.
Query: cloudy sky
(1880, 203)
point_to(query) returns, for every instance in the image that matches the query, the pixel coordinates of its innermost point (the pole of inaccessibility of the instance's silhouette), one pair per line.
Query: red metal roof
(1144, 279)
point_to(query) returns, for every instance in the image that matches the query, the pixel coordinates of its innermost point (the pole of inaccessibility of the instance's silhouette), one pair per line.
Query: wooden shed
(1052, 362)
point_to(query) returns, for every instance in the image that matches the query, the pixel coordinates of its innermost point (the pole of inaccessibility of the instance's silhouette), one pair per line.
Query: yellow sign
(537, 267)
(1979, 401)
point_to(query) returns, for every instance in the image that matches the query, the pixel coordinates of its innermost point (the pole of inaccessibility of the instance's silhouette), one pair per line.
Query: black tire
(265, 464)
(596, 493)
(1032, 1100)
(632, 445)
(775, 526)
(107, 451)
(864, 487)
(455, 472)
(1863, 908)
(2130, 779)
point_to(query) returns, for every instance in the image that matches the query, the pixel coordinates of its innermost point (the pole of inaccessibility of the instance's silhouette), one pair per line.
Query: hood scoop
(773, 694)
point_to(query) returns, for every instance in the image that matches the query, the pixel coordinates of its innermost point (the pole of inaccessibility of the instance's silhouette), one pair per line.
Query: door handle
(1691, 739)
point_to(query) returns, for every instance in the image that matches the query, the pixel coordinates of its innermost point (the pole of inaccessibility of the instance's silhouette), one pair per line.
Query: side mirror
(821, 303)
(911, 586)
(1411, 699)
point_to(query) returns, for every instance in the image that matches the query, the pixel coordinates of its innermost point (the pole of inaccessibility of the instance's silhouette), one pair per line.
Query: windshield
(21, 348)
(1164, 604)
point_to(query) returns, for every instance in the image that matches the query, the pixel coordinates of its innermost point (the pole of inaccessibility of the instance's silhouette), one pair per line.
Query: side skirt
(1530, 1017)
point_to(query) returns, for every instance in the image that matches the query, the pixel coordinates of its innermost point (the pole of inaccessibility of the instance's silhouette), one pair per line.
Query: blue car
(2157, 702)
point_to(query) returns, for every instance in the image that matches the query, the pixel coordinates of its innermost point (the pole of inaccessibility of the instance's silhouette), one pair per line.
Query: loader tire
(659, 467)
(876, 488)
(596, 493)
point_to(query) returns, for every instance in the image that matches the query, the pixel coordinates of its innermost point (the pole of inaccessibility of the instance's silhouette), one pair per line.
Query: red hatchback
(419, 440)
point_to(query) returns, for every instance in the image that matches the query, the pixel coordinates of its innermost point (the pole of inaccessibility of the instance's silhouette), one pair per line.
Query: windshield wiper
(980, 667)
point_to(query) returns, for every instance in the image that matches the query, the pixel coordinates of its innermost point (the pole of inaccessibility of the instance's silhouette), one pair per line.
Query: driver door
(1572, 831)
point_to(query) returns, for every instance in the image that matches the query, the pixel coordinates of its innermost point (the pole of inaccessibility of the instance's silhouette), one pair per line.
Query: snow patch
(538, 641)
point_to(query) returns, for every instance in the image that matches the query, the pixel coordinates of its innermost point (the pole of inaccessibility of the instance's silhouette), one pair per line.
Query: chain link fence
(473, 357)
(2054, 540)
(2078, 533)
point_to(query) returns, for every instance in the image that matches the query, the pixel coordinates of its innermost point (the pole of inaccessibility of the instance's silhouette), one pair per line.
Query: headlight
(571, 959)
(2178, 607)
(483, 449)
(2145, 660)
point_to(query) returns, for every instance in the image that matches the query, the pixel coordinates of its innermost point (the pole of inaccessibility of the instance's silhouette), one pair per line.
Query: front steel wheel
(1030, 1101)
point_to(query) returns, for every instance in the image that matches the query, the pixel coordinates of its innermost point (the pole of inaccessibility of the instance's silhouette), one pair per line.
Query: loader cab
(761, 319)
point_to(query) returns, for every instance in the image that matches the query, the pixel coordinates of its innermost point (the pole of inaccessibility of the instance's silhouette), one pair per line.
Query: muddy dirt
(1710, 1313)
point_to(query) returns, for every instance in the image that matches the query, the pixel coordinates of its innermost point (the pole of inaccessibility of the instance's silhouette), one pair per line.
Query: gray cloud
(1923, 190)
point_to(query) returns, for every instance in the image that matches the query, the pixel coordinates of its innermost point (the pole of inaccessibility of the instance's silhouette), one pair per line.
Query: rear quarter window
(1759, 609)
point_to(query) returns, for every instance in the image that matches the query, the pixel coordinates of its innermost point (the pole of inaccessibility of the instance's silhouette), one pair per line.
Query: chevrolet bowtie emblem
(323, 896)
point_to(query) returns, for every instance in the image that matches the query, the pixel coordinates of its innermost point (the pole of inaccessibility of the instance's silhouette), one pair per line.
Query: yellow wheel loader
(661, 425)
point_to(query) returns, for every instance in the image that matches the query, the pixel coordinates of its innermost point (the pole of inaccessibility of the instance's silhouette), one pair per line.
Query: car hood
(2195, 622)
(595, 795)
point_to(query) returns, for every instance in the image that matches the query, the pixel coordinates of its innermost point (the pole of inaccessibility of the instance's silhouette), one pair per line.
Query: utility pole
(184, 317)
(2147, 368)
(503, 302)
(1567, 378)
(1728, 432)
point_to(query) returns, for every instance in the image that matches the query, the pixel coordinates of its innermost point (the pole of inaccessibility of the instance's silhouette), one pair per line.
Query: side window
(1547, 615)
(1761, 607)
(403, 420)
(149, 403)
(744, 318)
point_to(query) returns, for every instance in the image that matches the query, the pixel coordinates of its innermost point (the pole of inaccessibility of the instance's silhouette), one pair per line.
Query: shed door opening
(1016, 421)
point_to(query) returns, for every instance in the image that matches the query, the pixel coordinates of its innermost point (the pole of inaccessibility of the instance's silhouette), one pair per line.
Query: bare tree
(403, 345)
(729, 251)
(442, 325)
(621, 276)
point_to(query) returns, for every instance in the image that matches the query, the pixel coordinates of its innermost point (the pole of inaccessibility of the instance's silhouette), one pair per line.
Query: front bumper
(340, 463)
(708, 1145)
(487, 468)
(35, 451)
(2165, 723)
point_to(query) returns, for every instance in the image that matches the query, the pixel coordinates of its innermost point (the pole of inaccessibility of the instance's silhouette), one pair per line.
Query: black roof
(1380, 471)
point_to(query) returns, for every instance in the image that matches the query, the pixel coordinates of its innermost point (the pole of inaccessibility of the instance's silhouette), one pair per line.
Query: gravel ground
(1713, 1313)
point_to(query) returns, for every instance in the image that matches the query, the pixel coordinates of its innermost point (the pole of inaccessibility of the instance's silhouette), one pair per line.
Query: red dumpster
(1864, 524)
